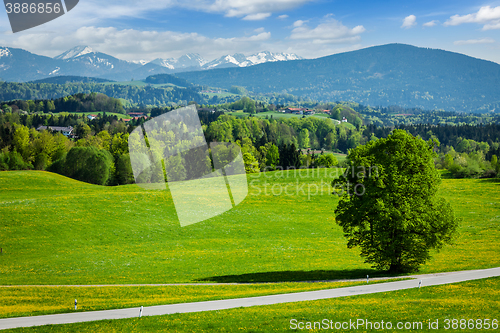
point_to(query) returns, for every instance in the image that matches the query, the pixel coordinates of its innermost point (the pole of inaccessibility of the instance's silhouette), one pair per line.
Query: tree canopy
(389, 205)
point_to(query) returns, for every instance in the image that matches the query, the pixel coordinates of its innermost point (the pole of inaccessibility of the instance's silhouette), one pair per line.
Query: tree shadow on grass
(296, 276)
(491, 180)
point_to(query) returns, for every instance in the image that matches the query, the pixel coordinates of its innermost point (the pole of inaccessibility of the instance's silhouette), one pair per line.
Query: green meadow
(140, 83)
(39, 300)
(58, 231)
(449, 308)
(276, 115)
(119, 115)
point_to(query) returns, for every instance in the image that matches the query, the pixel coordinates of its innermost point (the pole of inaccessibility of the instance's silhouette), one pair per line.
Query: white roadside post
(75, 303)
(140, 312)
(420, 283)
(367, 279)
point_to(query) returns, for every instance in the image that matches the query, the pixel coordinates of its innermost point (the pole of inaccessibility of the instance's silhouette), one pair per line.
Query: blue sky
(149, 29)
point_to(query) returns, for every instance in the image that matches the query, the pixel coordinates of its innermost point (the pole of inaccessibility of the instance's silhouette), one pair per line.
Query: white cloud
(474, 41)
(409, 21)
(282, 17)
(486, 15)
(256, 17)
(329, 32)
(245, 8)
(96, 12)
(299, 23)
(431, 23)
(259, 30)
(492, 26)
(130, 44)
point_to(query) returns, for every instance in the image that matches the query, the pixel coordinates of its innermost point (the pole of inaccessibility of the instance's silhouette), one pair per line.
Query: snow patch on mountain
(75, 52)
(240, 60)
(190, 60)
(140, 62)
(167, 63)
(263, 57)
(5, 52)
(55, 71)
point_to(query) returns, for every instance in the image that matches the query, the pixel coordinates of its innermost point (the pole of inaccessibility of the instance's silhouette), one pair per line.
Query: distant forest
(81, 102)
(146, 95)
(466, 145)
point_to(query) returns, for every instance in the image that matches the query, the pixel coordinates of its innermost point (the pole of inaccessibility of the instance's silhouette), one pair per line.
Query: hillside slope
(393, 74)
(55, 230)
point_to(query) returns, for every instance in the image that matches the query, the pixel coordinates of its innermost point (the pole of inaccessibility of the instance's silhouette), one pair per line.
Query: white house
(66, 131)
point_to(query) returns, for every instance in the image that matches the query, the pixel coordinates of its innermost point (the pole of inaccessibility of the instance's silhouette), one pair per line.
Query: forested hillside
(466, 144)
(146, 95)
(393, 74)
(63, 79)
(77, 103)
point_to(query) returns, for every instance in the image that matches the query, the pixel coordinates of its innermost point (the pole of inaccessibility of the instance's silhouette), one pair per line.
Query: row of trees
(464, 150)
(96, 157)
(139, 95)
(81, 102)
(309, 132)
(266, 143)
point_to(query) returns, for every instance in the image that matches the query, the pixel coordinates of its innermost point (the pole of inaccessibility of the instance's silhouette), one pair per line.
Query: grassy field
(56, 230)
(59, 231)
(119, 115)
(276, 115)
(31, 301)
(418, 308)
(138, 83)
(340, 157)
(141, 83)
(221, 94)
(287, 115)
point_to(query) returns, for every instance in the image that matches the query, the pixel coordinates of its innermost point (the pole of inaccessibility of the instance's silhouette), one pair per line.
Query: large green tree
(389, 205)
(88, 164)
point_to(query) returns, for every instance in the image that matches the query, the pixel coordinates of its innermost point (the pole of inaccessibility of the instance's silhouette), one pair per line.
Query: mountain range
(392, 74)
(20, 66)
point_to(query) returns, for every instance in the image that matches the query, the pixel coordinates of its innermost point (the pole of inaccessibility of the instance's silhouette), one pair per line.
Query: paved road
(427, 280)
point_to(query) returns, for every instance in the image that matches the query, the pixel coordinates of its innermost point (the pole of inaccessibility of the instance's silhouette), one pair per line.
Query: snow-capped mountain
(190, 60)
(266, 56)
(75, 52)
(234, 60)
(21, 65)
(194, 61)
(240, 60)
(95, 63)
(140, 62)
(167, 63)
(187, 61)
